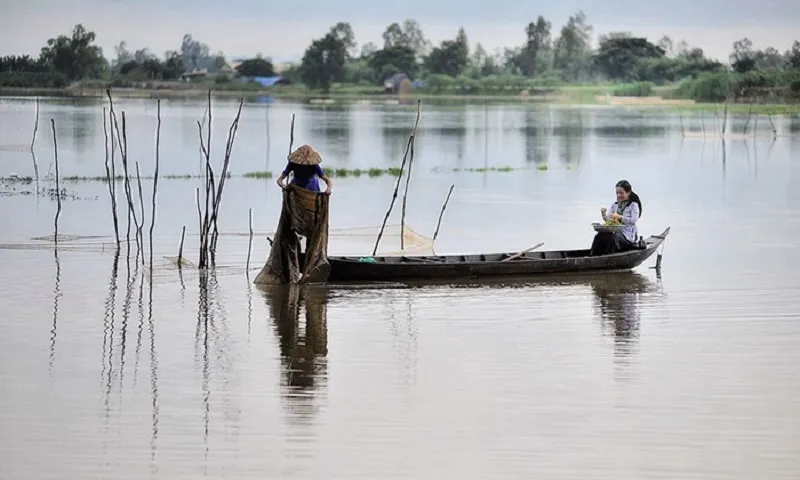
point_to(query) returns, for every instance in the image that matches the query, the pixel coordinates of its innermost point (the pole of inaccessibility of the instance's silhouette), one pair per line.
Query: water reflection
(617, 302)
(83, 129)
(449, 127)
(395, 129)
(56, 296)
(568, 128)
(332, 128)
(303, 347)
(153, 376)
(537, 138)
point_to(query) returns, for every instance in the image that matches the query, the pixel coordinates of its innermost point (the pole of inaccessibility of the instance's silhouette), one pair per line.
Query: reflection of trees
(330, 132)
(537, 137)
(83, 126)
(395, 128)
(568, 129)
(450, 126)
(303, 347)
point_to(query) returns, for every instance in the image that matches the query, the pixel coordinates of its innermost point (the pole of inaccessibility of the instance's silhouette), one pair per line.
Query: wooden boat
(403, 268)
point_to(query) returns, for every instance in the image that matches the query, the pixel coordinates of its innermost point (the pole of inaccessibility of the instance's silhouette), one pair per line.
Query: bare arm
(329, 184)
(281, 181)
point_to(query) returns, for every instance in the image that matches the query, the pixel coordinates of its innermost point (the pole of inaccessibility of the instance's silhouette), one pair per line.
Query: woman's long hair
(632, 196)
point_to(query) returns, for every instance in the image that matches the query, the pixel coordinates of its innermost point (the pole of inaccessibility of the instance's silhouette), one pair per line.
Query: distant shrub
(639, 89)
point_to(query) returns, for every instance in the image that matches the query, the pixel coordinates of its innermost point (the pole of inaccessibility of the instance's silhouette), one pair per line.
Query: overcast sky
(283, 29)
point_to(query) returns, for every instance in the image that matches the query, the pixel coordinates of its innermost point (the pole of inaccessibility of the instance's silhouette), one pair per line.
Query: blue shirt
(305, 176)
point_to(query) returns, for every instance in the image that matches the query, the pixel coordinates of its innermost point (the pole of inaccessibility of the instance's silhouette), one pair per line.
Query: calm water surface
(109, 372)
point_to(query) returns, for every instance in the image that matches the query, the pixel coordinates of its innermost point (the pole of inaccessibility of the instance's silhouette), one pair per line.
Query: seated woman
(304, 163)
(626, 210)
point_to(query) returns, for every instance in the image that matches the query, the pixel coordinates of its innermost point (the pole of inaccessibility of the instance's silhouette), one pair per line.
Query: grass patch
(486, 169)
(264, 174)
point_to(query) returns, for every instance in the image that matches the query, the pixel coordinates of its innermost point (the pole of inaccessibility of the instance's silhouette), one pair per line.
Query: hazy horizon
(243, 28)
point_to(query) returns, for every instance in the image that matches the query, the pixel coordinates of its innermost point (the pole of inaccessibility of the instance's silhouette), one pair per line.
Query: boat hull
(394, 269)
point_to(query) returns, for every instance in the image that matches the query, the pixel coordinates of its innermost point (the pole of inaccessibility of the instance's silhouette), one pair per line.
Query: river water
(107, 371)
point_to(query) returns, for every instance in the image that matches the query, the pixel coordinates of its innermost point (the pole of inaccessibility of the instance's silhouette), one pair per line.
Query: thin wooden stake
(441, 214)
(250, 241)
(35, 125)
(408, 180)
(58, 187)
(139, 236)
(291, 135)
(155, 180)
(33, 141)
(180, 247)
(110, 177)
(725, 117)
(397, 185)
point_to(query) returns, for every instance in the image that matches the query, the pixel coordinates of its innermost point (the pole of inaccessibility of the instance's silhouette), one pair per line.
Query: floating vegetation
(257, 175)
(16, 185)
(487, 169)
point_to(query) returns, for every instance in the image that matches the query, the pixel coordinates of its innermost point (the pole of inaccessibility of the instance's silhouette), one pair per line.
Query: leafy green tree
(572, 48)
(324, 61)
(451, 57)
(743, 57)
(401, 58)
(529, 59)
(256, 67)
(619, 55)
(75, 57)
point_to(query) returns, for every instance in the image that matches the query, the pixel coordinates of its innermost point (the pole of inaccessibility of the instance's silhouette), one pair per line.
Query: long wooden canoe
(403, 268)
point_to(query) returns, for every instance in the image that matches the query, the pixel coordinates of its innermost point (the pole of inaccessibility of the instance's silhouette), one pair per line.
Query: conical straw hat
(305, 155)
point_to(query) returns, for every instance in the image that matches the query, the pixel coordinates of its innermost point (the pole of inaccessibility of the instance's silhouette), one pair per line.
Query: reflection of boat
(401, 268)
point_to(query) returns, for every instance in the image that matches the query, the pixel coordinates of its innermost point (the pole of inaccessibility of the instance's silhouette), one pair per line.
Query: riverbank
(595, 94)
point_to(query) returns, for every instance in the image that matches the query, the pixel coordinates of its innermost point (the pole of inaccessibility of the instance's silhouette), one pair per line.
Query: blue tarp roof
(266, 81)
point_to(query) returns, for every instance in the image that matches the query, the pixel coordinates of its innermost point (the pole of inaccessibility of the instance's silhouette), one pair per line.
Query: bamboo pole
(139, 236)
(35, 125)
(408, 180)
(397, 185)
(155, 179)
(180, 248)
(110, 177)
(224, 175)
(441, 214)
(58, 187)
(33, 142)
(250, 242)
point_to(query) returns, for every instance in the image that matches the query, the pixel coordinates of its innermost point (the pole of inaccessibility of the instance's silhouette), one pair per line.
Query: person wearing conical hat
(304, 165)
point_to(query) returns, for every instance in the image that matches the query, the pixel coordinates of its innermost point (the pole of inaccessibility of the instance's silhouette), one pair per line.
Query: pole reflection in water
(303, 349)
(212, 349)
(56, 296)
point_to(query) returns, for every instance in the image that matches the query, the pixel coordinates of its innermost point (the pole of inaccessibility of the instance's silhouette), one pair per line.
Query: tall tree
(538, 34)
(324, 61)
(451, 57)
(743, 58)
(619, 55)
(76, 57)
(255, 67)
(573, 47)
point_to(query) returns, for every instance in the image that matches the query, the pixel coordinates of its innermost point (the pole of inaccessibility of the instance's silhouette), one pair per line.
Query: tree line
(546, 59)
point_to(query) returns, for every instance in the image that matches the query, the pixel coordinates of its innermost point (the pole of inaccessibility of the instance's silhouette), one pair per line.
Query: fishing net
(303, 213)
(361, 241)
